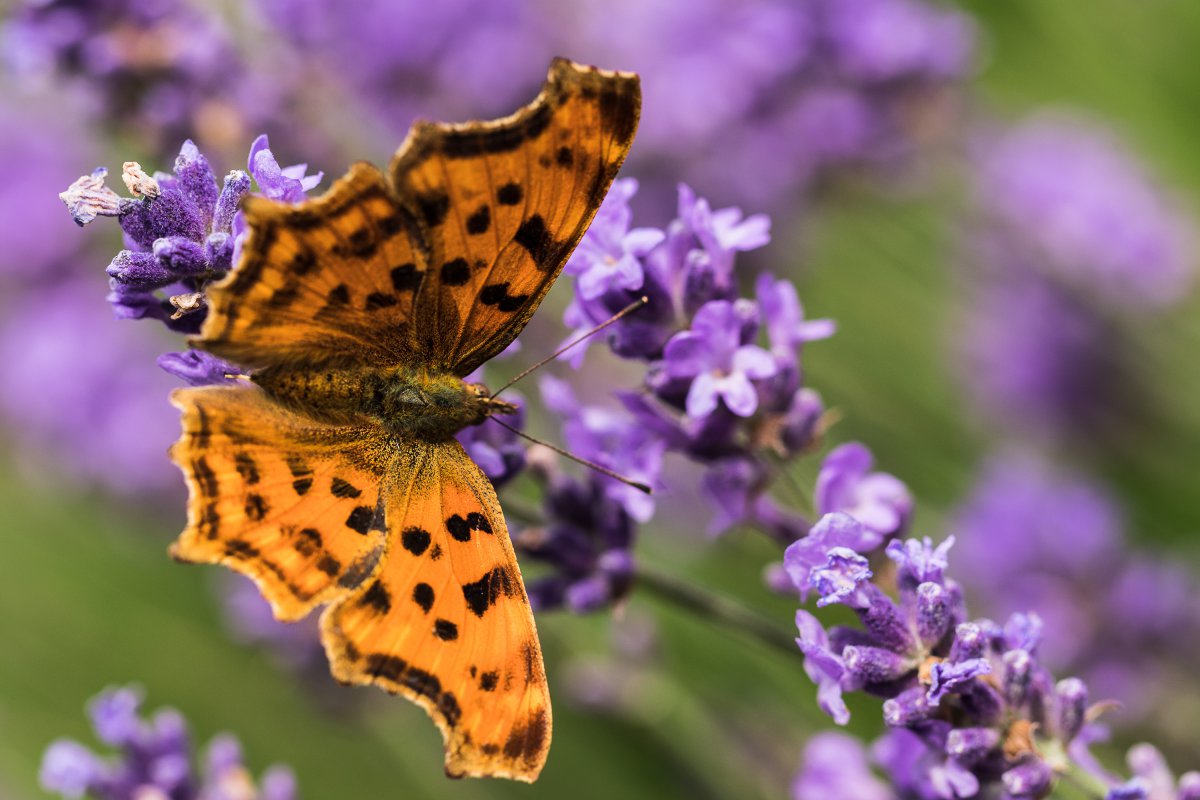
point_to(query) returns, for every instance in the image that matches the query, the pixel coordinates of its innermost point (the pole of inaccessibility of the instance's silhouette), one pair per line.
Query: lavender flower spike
(154, 760)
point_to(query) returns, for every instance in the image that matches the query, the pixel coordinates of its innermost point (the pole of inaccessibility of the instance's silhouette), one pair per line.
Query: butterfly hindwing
(445, 621)
(292, 503)
(330, 281)
(505, 203)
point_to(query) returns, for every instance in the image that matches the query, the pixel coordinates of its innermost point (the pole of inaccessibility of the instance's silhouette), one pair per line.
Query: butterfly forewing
(506, 202)
(290, 502)
(326, 282)
(445, 621)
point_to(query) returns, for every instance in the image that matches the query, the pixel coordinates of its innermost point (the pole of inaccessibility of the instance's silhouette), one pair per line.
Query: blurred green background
(90, 599)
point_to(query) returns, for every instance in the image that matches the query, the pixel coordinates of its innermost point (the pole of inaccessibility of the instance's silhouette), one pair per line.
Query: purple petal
(738, 392)
(702, 397)
(754, 361)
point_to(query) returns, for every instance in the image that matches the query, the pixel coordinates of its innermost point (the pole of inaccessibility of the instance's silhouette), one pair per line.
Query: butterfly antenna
(629, 309)
(641, 487)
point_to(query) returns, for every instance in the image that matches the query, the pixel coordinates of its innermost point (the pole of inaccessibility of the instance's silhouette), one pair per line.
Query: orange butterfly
(335, 478)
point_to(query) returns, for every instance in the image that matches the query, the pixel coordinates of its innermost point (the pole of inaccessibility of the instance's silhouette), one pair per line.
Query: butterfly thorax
(410, 402)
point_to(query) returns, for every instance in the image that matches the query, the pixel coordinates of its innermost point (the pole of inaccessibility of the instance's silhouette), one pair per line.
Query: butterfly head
(489, 404)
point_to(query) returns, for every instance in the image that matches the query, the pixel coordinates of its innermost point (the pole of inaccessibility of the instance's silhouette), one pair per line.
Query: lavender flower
(609, 257)
(154, 759)
(878, 500)
(184, 234)
(1067, 192)
(81, 404)
(1059, 265)
(157, 71)
(835, 766)
(718, 363)
(1152, 779)
(716, 394)
(983, 709)
(1123, 620)
(612, 439)
(587, 538)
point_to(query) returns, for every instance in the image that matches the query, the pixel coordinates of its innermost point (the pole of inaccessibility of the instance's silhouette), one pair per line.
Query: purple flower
(609, 256)
(152, 71)
(715, 357)
(783, 317)
(154, 759)
(1103, 608)
(835, 766)
(198, 368)
(976, 732)
(824, 667)
(587, 539)
(875, 41)
(185, 235)
(840, 576)
(1067, 190)
(69, 769)
(85, 408)
(831, 531)
(286, 184)
(611, 439)
(876, 499)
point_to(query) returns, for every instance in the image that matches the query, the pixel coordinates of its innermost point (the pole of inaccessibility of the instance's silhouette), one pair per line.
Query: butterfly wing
(292, 503)
(505, 203)
(446, 623)
(330, 281)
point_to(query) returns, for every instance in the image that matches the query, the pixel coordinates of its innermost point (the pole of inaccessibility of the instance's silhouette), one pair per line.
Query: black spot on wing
(456, 272)
(496, 294)
(433, 207)
(489, 680)
(377, 597)
(378, 300)
(247, 468)
(415, 540)
(445, 630)
(423, 596)
(360, 519)
(483, 593)
(480, 221)
(256, 507)
(205, 477)
(307, 541)
(343, 488)
(509, 194)
(537, 241)
(529, 739)
(406, 277)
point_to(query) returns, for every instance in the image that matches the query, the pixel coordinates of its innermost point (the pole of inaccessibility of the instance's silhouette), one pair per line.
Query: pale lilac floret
(876, 499)
(721, 367)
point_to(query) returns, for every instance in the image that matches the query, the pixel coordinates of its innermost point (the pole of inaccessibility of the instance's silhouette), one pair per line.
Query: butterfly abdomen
(431, 406)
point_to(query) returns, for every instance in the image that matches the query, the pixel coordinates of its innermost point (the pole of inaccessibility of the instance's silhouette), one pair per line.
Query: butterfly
(333, 477)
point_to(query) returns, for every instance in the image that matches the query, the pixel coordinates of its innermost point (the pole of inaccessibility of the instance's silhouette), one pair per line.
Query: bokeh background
(995, 201)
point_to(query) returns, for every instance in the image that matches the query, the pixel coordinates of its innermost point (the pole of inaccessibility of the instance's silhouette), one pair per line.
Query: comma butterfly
(334, 477)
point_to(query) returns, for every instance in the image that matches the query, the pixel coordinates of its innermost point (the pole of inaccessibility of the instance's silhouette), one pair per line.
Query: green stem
(715, 609)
